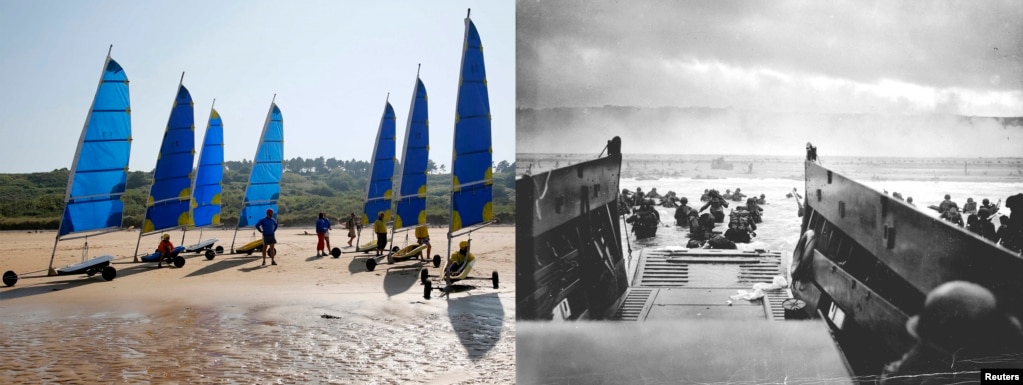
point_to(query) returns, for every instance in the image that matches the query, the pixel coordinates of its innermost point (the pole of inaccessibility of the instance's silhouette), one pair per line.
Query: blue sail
(209, 175)
(471, 175)
(411, 207)
(171, 193)
(381, 170)
(99, 173)
(265, 180)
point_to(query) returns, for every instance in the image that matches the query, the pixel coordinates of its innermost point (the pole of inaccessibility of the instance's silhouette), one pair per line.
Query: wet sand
(230, 320)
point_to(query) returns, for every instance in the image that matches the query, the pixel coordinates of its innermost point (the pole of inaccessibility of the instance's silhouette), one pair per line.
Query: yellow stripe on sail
(488, 212)
(456, 221)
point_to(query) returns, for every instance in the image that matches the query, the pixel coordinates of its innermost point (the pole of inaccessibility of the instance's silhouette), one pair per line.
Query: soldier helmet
(960, 314)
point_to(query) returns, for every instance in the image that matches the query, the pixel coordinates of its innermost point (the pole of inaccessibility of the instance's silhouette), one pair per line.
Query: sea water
(780, 228)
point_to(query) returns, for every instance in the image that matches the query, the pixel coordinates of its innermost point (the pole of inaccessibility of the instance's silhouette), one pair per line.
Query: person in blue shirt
(322, 235)
(267, 226)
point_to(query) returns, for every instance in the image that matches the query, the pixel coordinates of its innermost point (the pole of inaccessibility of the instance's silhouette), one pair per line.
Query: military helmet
(960, 314)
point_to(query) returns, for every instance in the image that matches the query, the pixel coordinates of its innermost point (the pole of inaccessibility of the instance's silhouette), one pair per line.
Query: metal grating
(634, 304)
(660, 272)
(775, 311)
(763, 270)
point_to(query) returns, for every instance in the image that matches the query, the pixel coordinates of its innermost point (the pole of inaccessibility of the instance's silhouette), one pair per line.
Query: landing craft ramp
(672, 284)
(570, 265)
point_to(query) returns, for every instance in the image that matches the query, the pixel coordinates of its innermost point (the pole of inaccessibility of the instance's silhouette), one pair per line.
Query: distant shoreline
(653, 167)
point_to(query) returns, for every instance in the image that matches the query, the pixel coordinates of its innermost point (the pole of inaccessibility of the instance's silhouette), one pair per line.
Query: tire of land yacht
(802, 256)
(10, 278)
(109, 273)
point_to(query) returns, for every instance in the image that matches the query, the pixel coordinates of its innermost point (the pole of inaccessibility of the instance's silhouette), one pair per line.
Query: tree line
(35, 201)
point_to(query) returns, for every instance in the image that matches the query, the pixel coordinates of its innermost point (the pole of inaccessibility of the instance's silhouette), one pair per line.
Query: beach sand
(308, 320)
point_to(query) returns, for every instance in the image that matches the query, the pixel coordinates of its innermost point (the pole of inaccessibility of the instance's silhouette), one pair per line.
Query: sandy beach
(230, 320)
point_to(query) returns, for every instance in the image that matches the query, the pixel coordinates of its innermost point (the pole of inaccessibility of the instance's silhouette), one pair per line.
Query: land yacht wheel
(109, 273)
(10, 278)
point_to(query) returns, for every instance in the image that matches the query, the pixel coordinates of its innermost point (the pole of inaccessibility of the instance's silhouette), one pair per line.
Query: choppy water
(779, 230)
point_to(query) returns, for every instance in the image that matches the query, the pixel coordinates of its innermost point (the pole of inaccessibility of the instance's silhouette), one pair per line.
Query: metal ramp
(659, 271)
(696, 284)
(636, 300)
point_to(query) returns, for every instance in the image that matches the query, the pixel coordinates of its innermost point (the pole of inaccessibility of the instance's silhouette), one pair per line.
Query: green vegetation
(36, 201)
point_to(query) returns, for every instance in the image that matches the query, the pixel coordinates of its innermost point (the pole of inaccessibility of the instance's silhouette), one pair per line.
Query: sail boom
(476, 183)
(90, 233)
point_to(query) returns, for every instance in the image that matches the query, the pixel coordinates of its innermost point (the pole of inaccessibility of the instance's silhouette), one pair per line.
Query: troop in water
(979, 218)
(742, 220)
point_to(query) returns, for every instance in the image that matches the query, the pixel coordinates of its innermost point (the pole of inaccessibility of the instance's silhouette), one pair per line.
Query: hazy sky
(331, 64)
(863, 57)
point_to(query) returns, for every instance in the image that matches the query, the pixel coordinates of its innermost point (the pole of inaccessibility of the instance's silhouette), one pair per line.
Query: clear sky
(331, 64)
(802, 59)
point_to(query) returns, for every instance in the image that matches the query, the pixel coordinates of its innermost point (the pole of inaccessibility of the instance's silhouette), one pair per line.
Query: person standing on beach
(322, 235)
(267, 226)
(423, 238)
(380, 228)
(351, 228)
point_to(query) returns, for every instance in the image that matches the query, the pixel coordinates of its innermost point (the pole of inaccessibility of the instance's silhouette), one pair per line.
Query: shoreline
(308, 319)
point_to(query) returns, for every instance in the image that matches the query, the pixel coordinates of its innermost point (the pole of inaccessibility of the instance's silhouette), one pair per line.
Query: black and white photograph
(768, 192)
